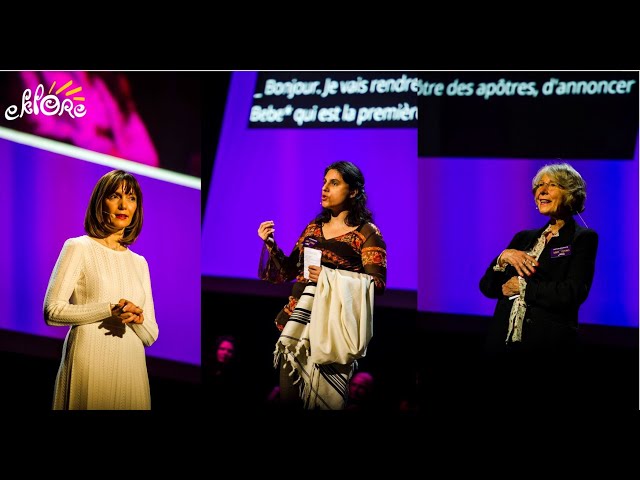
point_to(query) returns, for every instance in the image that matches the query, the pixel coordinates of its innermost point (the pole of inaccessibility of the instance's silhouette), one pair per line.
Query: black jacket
(554, 293)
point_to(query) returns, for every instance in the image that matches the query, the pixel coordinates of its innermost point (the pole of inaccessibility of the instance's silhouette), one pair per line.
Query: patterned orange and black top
(362, 251)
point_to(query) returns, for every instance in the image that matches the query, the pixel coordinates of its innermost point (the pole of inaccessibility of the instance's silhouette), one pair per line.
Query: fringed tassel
(307, 393)
(276, 357)
(284, 354)
(302, 348)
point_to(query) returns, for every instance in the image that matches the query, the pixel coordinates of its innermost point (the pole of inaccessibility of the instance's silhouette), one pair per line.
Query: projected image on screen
(150, 118)
(478, 160)
(277, 173)
(570, 115)
(334, 100)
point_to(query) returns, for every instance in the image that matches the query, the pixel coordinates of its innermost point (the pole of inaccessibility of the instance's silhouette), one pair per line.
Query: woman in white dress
(101, 290)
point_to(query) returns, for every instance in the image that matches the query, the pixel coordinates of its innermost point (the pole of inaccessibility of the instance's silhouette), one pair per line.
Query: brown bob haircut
(96, 222)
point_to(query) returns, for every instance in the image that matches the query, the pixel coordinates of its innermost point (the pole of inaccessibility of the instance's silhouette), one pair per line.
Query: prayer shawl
(519, 307)
(342, 317)
(335, 319)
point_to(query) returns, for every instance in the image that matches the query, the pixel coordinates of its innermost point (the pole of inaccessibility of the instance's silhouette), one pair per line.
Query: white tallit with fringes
(326, 386)
(342, 317)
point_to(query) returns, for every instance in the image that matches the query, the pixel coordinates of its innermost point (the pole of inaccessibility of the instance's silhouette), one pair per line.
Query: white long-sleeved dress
(103, 364)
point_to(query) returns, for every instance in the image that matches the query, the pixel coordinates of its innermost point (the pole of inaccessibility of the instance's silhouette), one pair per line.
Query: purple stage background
(470, 209)
(45, 196)
(276, 174)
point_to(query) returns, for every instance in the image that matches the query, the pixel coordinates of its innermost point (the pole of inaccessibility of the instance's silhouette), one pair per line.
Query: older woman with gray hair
(544, 275)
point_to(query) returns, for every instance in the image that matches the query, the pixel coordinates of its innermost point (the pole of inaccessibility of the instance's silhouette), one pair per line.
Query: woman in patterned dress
(346, 236)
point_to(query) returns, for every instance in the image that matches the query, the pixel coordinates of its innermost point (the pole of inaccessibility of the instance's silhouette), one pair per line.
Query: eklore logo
(50, 104)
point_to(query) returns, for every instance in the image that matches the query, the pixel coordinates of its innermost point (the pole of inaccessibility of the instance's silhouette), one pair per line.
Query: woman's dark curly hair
(358, 211)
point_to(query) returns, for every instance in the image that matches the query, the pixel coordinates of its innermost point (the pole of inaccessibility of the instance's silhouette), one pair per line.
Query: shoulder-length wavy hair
(571, 182)
(358, 211)
(96, 222)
